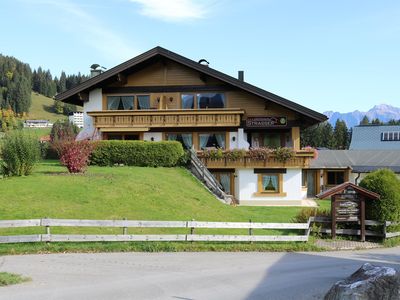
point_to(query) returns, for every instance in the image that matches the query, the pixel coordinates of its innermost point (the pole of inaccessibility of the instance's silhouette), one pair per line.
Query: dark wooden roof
(341, 187)
(71, 95)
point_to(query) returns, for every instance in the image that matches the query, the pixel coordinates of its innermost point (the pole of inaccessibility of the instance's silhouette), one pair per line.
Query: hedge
(387, 185)
(137, 153)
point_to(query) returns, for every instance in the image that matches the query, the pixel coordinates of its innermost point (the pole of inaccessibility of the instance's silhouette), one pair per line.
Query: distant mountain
(383, 112)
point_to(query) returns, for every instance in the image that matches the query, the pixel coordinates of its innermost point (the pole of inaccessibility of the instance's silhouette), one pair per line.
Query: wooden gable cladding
(169, 73)
(256, 106)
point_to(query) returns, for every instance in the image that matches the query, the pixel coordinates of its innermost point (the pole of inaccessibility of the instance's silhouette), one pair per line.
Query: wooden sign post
(348, 205)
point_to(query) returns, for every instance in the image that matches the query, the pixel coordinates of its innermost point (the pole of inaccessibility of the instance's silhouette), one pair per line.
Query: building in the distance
(76, 118)
(375, 137)
(37, 123)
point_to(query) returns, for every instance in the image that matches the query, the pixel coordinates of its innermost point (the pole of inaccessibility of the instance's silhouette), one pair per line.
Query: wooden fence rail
(124, 224)
(345, 231)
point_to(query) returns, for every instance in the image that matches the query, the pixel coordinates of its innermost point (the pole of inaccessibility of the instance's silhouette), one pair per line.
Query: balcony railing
(301, 159)
(167, 118)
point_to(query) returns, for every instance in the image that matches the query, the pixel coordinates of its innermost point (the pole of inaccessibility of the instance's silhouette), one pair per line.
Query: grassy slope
(134, 193)
(42, 108)
(112, 193)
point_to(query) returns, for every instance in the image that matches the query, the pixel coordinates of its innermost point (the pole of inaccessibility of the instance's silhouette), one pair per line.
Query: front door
(311, 183)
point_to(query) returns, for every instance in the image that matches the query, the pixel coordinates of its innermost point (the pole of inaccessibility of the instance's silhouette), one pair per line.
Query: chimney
(241, 75)
(95, 72)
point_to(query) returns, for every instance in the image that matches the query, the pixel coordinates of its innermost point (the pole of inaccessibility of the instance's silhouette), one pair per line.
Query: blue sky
(327, 55)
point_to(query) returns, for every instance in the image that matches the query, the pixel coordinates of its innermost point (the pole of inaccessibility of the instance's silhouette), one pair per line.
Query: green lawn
(134, 193)
(118, 192)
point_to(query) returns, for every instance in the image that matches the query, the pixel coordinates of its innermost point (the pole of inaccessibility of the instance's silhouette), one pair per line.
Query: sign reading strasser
(259, 122)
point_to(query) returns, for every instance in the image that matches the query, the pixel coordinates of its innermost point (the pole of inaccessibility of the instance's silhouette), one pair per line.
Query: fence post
(250, 231)
(192, 228)
(47, 227)
(125, 229)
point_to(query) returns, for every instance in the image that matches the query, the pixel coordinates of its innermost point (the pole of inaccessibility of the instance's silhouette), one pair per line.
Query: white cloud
(172, 10)
(74, 19)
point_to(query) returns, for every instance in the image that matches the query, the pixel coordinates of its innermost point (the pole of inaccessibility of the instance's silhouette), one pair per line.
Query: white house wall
(247, 185)
(95, 103)
(157, 136)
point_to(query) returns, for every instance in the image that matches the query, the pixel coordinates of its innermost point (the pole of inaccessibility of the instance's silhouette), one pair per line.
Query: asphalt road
(186, 276)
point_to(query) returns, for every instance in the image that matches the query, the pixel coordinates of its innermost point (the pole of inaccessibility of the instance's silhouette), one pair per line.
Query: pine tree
(376, 121)
(364, 121)
(340, 135)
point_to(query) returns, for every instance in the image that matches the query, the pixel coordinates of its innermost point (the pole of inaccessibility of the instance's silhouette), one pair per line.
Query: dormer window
(390, 136)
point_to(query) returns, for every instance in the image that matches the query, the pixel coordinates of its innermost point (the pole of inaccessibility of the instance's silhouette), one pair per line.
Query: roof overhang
(78, 94)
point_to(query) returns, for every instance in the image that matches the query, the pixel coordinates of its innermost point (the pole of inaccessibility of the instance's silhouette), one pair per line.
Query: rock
(367, 283)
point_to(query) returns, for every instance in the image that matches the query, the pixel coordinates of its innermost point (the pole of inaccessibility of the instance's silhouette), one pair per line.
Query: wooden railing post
(192, 228)
(125, 229)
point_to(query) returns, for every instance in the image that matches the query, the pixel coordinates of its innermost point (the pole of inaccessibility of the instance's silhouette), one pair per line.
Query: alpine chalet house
(160, 95)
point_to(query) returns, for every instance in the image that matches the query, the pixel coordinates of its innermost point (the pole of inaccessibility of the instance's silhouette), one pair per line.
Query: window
(225, 178)
(269, 140)
(120, 102)
(143, 101)
(187, 101)
(210, 100)
(334, 177)
(128, 102)
(270, 185)
(390, 136)
(186, 139)
(212, 140)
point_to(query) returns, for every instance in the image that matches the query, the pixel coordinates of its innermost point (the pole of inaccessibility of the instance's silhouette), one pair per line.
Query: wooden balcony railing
(167, 118)
(301, 159)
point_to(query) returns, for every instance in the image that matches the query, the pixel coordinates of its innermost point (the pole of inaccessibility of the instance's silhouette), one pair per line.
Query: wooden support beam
(121, 78)
(296, 138)
(83, 97)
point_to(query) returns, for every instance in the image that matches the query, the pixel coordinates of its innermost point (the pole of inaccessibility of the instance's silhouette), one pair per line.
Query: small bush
(63, 130)
(20, 152)
(385, 183)
(75, 155)
(137, 153)
(306, 212)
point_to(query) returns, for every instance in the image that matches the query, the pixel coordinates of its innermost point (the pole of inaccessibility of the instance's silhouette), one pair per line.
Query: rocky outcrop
(367, 283)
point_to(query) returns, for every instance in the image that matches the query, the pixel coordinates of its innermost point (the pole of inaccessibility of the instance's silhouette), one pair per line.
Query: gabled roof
(71, 94)
(362, 161)
(341, 187)
(368, 137)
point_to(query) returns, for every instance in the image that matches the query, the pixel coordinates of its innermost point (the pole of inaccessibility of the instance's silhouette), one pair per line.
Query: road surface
(185, 276)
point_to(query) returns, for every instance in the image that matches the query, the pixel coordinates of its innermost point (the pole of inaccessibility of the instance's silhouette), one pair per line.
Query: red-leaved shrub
(75, 155)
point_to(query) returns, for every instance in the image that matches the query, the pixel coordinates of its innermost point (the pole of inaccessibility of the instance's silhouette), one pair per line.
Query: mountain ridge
(384, 112)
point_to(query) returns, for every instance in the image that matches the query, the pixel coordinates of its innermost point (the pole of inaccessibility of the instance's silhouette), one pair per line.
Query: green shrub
(137, 153)
(20, 152)
(385, 183)
(306, 212)
(63, 130)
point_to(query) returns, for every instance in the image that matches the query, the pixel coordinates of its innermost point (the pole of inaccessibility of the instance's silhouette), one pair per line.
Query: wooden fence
(191, 226)
(346, 231)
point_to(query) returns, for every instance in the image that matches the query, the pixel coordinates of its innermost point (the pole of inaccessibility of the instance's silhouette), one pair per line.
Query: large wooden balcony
(301, 159)
(167, 118)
